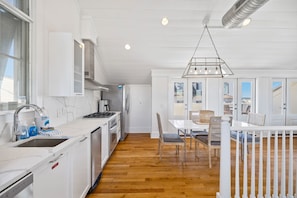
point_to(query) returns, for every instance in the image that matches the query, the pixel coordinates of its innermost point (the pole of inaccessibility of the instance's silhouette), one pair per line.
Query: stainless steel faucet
(16, 116)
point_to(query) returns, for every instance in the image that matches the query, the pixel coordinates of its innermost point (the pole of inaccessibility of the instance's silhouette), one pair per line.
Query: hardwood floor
(134, 170)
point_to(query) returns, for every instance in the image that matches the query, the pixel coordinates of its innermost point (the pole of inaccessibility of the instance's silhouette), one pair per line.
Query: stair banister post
(225, 161)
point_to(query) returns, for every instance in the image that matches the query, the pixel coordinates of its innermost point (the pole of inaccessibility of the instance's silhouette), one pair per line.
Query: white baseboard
(139, 130)
(155, 134)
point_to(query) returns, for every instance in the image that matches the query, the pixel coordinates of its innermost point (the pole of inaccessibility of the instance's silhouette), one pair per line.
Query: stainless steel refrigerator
(118, 100)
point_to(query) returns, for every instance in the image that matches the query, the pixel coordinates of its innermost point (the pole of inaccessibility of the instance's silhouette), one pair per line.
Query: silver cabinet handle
(83, 139)
(56, 159)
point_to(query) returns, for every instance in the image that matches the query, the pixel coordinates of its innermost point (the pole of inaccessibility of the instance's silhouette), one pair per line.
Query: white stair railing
(267, 167)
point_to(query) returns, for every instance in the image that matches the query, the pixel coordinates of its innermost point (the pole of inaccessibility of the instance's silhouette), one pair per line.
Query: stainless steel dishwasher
(21, 188)
(96, 168)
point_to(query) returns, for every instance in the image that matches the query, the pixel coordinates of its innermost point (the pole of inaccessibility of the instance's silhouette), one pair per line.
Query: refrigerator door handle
(127, 104)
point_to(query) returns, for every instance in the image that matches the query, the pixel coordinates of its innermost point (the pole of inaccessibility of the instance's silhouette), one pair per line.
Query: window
(22, 5)
(14, 57)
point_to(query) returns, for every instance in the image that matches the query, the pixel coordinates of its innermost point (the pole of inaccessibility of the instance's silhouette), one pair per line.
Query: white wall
(140, 109)
(64, 16)
(161, 78)
(48, 16)
(56, 16)
(159, 102)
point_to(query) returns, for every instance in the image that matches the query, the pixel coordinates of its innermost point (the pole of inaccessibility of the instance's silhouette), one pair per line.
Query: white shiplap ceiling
(269, 42)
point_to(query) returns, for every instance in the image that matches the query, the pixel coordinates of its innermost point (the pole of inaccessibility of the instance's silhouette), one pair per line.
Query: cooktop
(99, 115)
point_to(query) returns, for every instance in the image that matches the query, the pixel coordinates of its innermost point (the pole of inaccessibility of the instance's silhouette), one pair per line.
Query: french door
(238, 98)
(185, 95)
(284, 102)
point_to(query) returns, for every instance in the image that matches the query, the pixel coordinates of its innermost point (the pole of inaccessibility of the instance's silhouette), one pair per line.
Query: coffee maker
(103, 106)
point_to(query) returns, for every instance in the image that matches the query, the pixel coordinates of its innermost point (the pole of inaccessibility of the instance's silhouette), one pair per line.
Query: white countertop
(15, 162)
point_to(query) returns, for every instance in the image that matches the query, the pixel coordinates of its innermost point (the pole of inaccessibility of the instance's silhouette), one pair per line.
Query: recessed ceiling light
(127, 47)
(246, 22)
(164, 21)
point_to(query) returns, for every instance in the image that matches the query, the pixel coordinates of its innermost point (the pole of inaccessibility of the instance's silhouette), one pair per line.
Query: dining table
(184, 127)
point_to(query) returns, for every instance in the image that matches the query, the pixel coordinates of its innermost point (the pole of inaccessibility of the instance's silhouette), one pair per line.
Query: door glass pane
(292, 97)
(228, 98)
(277, 94)
(178, 104)
(246, 97)
(196, 96)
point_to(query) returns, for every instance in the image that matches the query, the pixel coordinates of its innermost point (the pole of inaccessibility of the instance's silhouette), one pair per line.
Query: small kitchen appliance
(103, 106)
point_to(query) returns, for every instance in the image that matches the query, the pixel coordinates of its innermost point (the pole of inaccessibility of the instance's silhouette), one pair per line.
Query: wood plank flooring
(134, 170)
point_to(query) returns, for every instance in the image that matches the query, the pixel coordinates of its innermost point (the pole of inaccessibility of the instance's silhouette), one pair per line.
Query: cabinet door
(81, 180)
(78, 71)
(66, 68)
(53, 178)
(105, 145)
(118, 127)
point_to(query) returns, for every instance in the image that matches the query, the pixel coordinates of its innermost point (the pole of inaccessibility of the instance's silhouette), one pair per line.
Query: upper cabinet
(66, 65)
(88, 29)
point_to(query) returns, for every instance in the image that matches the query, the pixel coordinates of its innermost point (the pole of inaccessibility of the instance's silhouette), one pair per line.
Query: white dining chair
(255, 119)
(195, 117)
(169, 139)
(212, 140)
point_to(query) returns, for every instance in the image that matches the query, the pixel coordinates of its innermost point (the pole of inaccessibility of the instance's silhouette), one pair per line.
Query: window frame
(25, 66)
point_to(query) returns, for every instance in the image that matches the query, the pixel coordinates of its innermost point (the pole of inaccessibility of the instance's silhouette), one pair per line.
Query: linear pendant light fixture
(206, 67)
(240, 11)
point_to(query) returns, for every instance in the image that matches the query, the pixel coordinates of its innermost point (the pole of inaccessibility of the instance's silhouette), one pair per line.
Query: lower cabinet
(52, 179)
(105, 145)
(118, 127)
(81, 167)
(66, 174)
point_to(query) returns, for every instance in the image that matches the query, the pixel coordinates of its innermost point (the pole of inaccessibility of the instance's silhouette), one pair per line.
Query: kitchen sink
(42, 142)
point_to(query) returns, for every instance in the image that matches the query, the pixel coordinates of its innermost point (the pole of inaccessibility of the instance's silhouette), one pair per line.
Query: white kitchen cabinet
(88, 30)
(118, 127)
(66, 65)
(105, 145)
(81, 167)
(52, 178)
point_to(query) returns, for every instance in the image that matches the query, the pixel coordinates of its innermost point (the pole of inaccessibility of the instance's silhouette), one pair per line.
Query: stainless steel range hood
(90, 82)
(94, 85)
